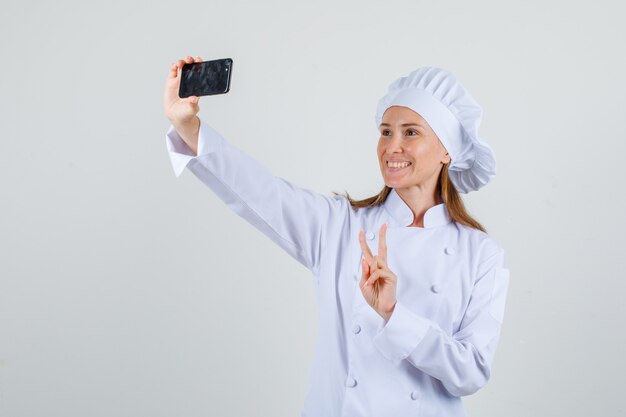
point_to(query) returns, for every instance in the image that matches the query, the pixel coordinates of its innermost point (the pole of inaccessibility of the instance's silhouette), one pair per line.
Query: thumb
(193, 104)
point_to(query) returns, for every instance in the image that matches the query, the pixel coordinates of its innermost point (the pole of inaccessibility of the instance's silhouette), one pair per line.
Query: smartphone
(206, 78)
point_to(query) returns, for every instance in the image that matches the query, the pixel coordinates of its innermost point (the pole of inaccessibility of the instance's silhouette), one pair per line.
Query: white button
(435, 288)
(450, 251)
(370, 235)
(356, 328)
(414, 395)
(351, 382)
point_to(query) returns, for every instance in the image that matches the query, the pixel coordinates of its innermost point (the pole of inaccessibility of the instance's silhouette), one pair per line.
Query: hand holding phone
(175, 108)
(191, 78)
(205, 78)
(182, 112)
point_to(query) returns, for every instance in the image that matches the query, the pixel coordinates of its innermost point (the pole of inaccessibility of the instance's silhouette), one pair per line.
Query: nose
(394, 144)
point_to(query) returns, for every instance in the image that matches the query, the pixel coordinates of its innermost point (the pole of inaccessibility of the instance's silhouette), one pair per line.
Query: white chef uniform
(440, 340)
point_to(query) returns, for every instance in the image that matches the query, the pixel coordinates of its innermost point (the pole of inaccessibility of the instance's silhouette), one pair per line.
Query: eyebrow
(403, 125)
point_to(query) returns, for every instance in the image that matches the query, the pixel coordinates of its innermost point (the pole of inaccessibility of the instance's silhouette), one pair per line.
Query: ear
(446, 158)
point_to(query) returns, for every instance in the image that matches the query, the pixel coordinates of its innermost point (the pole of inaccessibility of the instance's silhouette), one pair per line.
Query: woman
(407, 330)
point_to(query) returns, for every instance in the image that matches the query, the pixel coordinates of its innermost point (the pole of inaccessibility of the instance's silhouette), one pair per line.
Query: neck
(419, 201)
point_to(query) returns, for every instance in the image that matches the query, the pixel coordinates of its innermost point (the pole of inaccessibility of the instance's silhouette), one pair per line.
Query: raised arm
(295, 218)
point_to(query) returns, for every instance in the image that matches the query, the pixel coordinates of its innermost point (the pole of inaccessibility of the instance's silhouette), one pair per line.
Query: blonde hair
(445, 188)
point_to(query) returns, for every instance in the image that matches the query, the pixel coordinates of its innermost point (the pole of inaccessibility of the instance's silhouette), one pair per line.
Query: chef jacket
(439, 342)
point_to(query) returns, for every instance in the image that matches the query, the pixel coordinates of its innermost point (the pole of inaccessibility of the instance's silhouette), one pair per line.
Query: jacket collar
(403, 215)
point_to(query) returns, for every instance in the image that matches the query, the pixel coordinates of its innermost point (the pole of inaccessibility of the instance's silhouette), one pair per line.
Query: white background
(125, 291)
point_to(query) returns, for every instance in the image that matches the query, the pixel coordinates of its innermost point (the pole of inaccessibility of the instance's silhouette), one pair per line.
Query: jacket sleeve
(462, 362)
(294, 218)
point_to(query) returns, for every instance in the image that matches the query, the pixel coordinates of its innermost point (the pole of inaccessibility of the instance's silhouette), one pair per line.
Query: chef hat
(453, 114)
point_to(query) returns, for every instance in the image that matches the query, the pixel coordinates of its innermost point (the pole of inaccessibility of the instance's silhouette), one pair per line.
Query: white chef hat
(453, 114)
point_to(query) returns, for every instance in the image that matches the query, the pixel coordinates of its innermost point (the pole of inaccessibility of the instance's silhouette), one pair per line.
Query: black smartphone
(206, 78)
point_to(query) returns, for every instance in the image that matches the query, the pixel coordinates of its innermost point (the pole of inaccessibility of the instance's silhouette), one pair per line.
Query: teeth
(398, 164)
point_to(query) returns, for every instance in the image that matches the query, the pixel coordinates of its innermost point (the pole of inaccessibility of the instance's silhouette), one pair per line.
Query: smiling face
(409, 152)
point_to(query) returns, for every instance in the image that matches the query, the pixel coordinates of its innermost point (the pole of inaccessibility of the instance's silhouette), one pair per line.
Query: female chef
(411, 289)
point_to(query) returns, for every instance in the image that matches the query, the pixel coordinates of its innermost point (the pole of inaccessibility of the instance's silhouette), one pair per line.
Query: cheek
(431, 161)
(379, 151)
(424, 160)
(425, 153)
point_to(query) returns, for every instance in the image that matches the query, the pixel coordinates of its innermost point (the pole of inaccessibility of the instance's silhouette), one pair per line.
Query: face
(405, 137)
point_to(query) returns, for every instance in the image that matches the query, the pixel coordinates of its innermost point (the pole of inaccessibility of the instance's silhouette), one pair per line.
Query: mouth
(397, 166)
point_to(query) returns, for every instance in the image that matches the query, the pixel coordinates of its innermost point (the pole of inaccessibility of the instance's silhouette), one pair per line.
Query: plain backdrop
(125, 291)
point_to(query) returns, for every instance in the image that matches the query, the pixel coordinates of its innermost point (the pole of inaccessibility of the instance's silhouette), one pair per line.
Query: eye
(384, 132)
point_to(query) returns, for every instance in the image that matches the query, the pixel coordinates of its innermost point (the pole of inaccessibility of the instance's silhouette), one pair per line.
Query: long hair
(445, 188)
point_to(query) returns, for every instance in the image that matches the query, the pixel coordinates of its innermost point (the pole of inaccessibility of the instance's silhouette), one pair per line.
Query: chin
(394, 184)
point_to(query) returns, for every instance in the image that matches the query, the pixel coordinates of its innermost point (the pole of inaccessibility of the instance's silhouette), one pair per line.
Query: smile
(394, 166)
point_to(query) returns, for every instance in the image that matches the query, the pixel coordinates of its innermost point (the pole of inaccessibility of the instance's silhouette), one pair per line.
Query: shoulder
(341, 211)
(342, 201)
(339, 202)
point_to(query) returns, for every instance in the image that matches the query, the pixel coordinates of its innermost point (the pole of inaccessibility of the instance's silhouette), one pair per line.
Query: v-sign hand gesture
(378, 284)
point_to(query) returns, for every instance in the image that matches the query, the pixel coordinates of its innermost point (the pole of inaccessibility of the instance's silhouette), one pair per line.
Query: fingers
(383, 274)
(373, 269)
(377, 262)
(174, 70)
(364, 248)
(374, 276)
(365, 272)
(382, 242)
(176, 66)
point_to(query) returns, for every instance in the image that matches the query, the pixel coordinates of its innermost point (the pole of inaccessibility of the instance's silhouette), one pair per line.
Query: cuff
(180, 154)
(399, 336)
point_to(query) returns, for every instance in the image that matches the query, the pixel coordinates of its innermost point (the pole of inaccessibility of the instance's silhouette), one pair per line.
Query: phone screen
(205, 78)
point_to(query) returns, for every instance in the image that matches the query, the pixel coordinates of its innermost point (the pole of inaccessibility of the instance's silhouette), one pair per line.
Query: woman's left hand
(378, 284)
